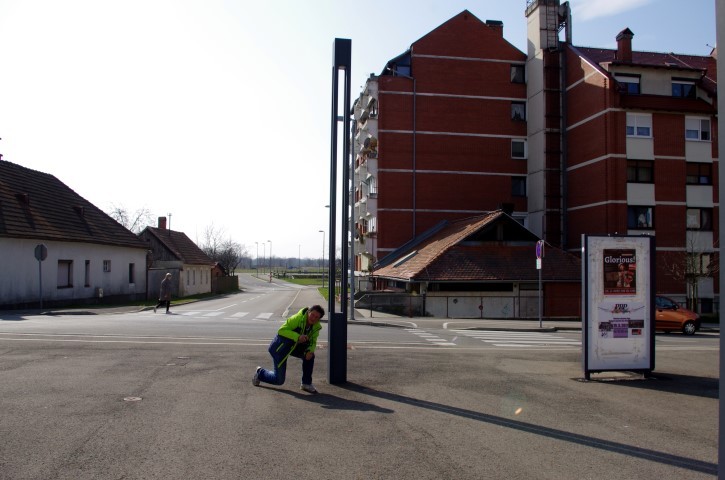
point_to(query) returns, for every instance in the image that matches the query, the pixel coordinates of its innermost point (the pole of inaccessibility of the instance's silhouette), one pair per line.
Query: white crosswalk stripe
(240, 314)
(213, 314)
(264, 316)
(520, 339)
(430, 337)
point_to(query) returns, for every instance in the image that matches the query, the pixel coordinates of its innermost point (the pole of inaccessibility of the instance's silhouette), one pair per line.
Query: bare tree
(226, 252)
(134, 221)
(691, 266)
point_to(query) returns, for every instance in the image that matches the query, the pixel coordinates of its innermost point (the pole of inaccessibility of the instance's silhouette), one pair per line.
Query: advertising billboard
(618, 293)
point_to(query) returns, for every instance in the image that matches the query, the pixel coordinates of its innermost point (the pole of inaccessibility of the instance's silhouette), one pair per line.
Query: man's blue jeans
(278, 349)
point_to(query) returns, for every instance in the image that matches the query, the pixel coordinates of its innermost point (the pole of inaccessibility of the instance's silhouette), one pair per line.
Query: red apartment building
(441, 135)
(623, 142)
(568, 140)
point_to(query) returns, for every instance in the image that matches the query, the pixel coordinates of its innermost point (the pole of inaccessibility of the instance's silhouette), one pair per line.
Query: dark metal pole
(337, 332)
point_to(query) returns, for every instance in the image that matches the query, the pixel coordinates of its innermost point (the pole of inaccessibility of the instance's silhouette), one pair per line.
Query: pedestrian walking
(165, 293)
(297, 338)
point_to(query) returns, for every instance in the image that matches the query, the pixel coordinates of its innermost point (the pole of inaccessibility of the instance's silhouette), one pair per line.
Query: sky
(217, 112)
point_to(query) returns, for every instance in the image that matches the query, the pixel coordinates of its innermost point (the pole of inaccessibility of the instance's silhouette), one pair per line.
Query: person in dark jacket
(165, 293)
(297, 338)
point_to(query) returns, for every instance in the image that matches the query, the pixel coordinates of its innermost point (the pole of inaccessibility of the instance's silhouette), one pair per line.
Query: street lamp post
(323, 258)
(270, 260)
(257, 262)
(299, 257)
(264, 255)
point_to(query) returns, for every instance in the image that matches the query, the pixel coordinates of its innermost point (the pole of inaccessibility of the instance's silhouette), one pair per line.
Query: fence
(469, 306)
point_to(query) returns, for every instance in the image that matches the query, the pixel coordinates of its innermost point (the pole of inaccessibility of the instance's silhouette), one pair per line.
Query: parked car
(670, 317)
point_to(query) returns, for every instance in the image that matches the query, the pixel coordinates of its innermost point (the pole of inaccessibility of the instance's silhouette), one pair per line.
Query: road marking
(264, 316)
(520, 339)
(434, 339)
(213, 314)
(240, 314)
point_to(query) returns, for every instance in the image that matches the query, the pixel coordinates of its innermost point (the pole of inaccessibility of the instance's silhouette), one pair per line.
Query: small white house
(86, 255)
(173, 252)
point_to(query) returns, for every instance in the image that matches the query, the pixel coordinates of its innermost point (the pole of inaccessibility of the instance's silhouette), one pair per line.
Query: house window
(131, 273)
(699, 219)
(65, 273)
(640, 217)
(628, 84)
(188, 277)
(106, 265)
(640, 171)
(518, 111)
(697, 129)
(87, 274)
(373, 224)
(518, 148)
(683, 88)
(518, 74)
(699, 173)
(518, 186)
(639, 125)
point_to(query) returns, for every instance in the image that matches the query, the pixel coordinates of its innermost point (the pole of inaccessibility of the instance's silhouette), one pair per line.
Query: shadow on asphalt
(333, 402)
(673, 383)
(621, 448)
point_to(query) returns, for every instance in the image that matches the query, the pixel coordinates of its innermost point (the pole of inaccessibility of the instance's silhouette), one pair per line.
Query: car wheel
(689, 328)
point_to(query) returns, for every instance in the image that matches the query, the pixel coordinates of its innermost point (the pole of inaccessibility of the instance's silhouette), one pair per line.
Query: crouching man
(297, 338)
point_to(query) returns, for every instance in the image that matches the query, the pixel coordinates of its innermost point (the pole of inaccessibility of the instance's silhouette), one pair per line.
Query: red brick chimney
(162, 223)
(624, 46)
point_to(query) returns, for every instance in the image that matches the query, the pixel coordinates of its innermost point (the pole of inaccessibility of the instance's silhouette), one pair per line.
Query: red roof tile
(179, 245)
(492, 247)
(37, 205)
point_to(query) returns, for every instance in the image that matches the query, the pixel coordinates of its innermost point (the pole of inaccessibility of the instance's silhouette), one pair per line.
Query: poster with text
(620, 271)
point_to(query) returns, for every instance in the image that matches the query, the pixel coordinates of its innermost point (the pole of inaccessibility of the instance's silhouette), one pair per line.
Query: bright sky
(217, 111)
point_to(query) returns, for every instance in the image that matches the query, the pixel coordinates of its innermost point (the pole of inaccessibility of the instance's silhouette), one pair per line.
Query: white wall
(19, 272)
(195, 279)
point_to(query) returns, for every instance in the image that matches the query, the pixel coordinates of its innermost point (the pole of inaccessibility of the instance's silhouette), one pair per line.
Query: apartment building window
(640, 171)
(87, 274)
(65, 273)
(640, 217)
(518, 148)
(373, 224)
(106, 265)
(372, 187)
(131, 273)
(697, 129)
(518, 111)
(628, 84)
(518, 186)
(518, 74)
(683, 88)
(639, 125)
(699, 173)
(699, 219)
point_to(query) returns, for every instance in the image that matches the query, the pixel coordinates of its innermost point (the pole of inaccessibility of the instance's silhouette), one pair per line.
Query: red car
(670, 317)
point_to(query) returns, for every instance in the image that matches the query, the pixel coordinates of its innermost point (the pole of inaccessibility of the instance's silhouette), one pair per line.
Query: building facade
(622, 141)
(568, 140)
(440, 135)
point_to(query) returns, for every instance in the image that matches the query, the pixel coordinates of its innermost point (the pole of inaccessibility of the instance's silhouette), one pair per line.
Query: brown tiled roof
(37, 205)
(492, 247)
(180, 246)
(673, 61)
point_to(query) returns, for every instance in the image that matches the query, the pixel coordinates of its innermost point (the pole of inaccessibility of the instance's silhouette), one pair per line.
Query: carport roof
(487, 248)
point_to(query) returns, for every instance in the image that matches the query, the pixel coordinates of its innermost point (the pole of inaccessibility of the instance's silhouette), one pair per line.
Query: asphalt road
(174, 405)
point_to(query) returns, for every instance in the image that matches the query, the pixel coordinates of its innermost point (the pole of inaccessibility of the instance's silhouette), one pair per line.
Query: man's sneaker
(308, 388)
(255, 378)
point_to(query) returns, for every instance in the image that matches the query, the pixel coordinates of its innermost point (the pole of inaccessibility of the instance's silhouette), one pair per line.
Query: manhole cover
(132, 399)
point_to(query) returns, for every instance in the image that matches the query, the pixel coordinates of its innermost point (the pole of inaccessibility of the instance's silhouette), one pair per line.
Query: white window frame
(65, 274)
(106, 266)
(698, 129)
(637, 123)
(526, 151)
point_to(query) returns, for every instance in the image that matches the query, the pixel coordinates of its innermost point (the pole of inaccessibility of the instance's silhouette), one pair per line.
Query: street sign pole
(41, 253)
